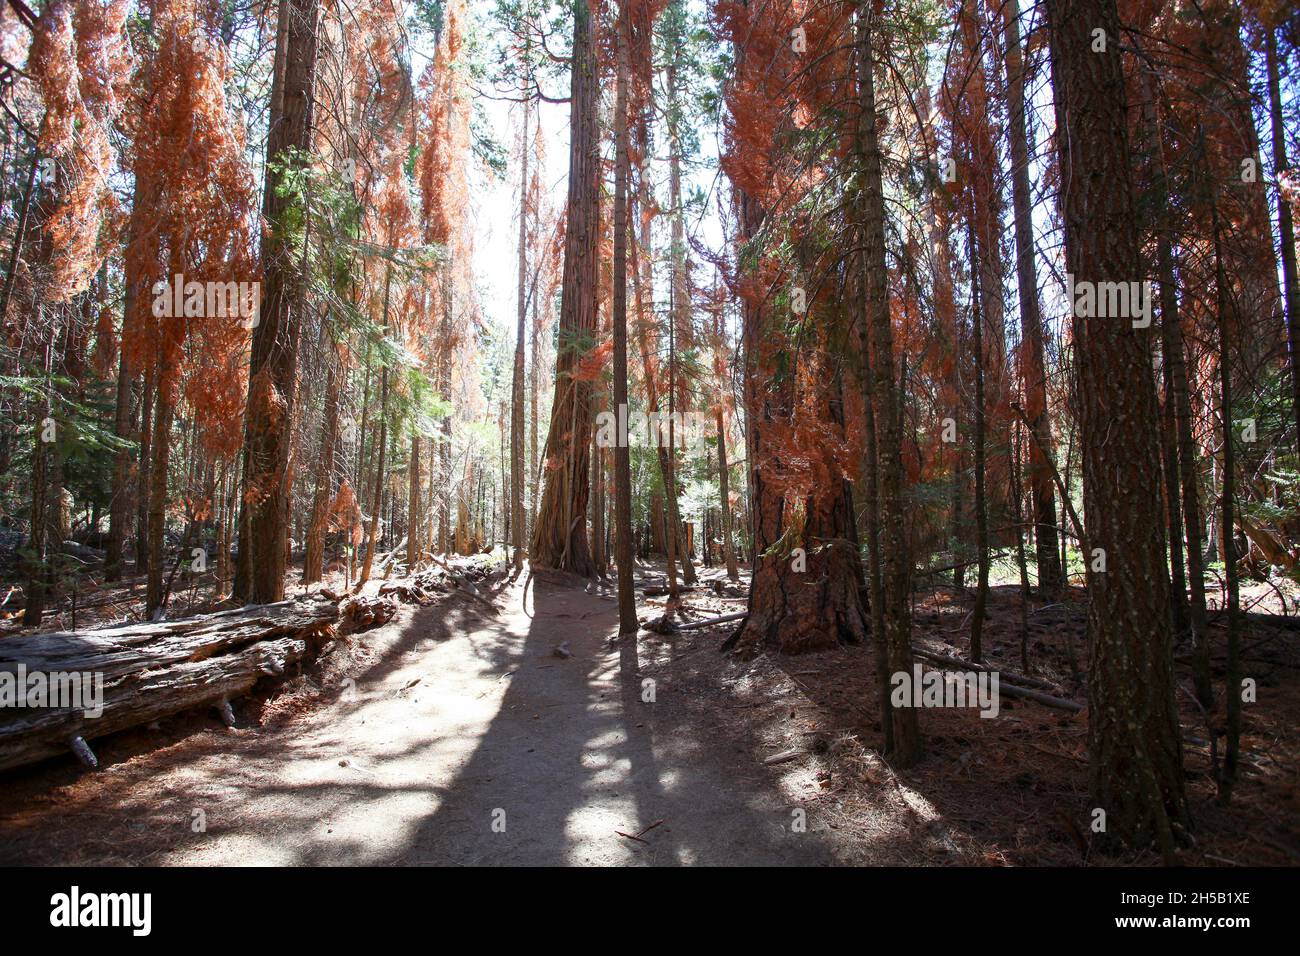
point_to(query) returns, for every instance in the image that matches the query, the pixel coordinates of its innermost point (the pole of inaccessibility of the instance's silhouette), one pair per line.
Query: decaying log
(663, 625)
(406, 591)
(153, 670)
(365, 611)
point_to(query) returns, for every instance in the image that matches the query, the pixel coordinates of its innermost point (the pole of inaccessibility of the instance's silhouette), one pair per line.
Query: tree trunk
(157, 493)
(724, 489)
(981, 504)
(1033, 367)
(1286, 229)
(560, 532)
(263, 545)
(413, 505)
(119, 513)
(1179, 407)
(313, 565)
(377, 496)
(1232, 677)
(627, 622)
(877, 333)
(142, 471)
(517, 380)
(1134, 743)
(679, 323)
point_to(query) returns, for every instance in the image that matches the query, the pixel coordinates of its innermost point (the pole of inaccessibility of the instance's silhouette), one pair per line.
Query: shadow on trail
(577, 755)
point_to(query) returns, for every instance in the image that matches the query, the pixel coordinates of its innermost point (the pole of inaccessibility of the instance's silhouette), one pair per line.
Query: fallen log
(364, 611)
(664, 626)
(1047, 700)
(153, 670)
(659, 590)
(1006, 676)
(1009, 682)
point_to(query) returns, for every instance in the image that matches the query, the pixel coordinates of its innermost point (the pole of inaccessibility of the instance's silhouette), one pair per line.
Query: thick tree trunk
(268, 436)
(560, 532)
(1135, 747)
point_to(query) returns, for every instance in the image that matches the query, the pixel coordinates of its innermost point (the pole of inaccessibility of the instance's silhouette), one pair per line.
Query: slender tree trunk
(980, 502)
(1017, 485)
(162, 426)
(46, 481)
(413, 505)
(895, 571)
(1232, 679)
(679, 324)
(376, 498)
(724, 490)
(444, 443)
(142, 472)
(119, 514)
(534, 386)
(1286, 228)
(20, 232)
(517, 381)
(1033, 367)
(627, 622)
(1186, 491)
(313, 566)
(599, 509)
(643, 288)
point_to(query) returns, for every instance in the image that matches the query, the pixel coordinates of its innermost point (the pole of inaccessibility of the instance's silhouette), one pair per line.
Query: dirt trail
(458, 721)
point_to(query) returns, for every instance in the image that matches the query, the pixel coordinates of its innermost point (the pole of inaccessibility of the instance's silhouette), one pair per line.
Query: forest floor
(517, 730)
